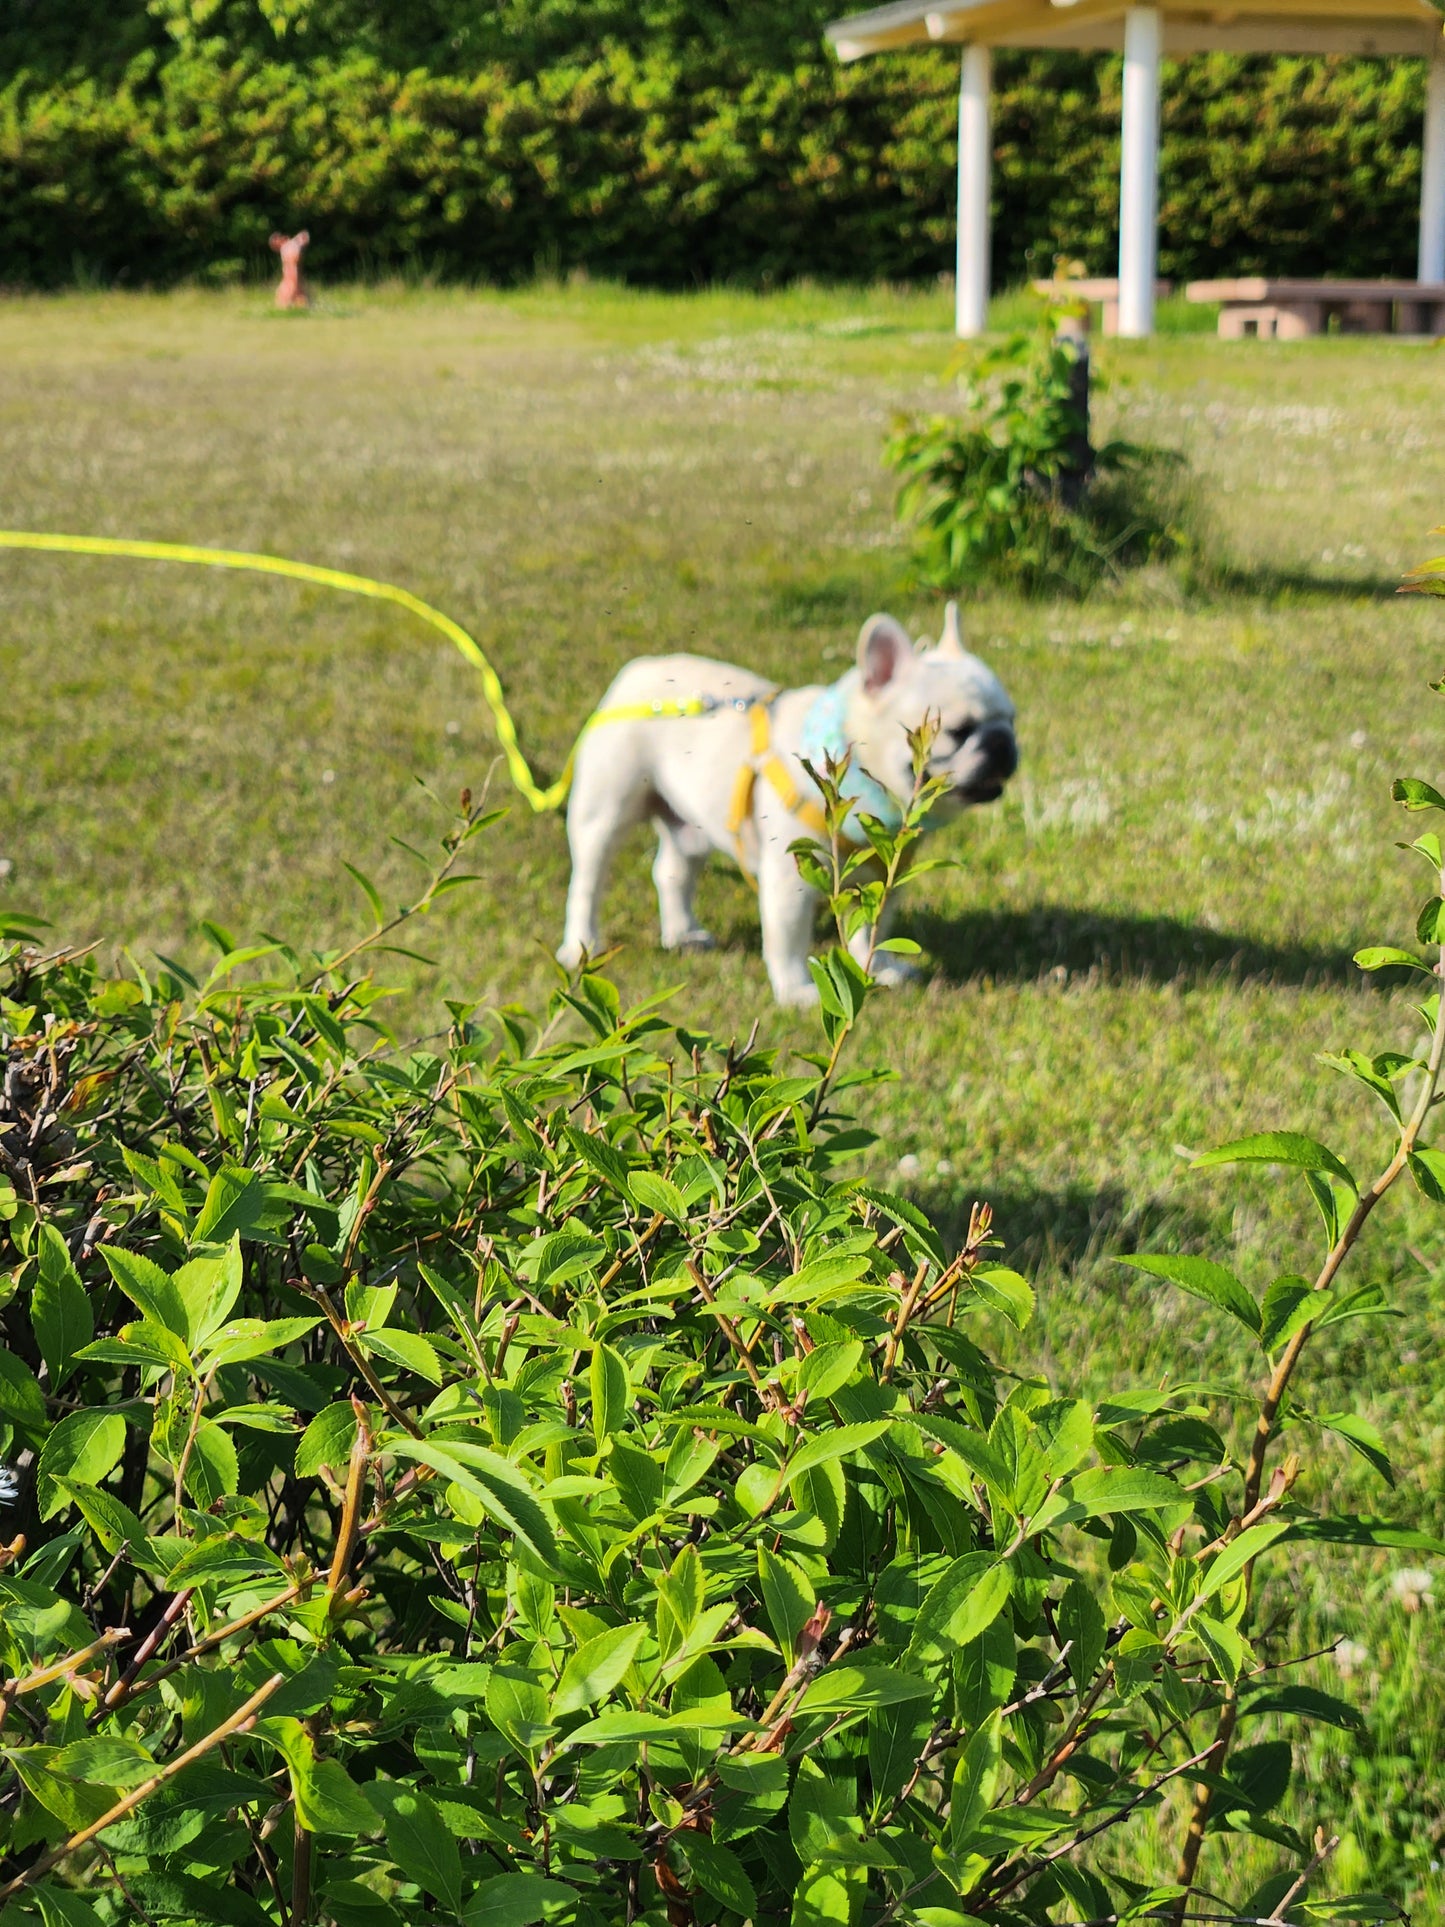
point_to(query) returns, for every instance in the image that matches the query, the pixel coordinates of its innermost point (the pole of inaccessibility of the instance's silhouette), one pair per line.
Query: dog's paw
(894, 972)
(698, 939)
(570, 955)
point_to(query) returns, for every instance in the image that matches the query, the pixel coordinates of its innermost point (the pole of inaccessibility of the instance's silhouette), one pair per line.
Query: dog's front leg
(602, 810)
(682, 853)
(788, 908)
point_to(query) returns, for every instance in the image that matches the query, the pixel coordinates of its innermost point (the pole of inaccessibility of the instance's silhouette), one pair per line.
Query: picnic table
(1102, 289)
(1289, 310)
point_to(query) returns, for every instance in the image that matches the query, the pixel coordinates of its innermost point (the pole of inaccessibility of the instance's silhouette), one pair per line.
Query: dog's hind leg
(682, 851)
(599, 815)
(788, 908)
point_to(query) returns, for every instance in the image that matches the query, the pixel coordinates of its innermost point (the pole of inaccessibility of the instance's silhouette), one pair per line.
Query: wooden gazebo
(1145, 34)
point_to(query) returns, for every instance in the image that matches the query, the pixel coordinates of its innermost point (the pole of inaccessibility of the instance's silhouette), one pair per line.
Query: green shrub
(1009, 488)
(682, 142)
(523, 1475)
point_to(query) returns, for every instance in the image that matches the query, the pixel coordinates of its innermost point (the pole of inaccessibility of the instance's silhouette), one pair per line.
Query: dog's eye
(960, 733)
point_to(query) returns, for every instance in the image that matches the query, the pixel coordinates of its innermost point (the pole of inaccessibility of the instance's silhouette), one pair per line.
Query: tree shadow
(1068, 1231)
(1045, 939)
(1271, 582)
(1097, 1324)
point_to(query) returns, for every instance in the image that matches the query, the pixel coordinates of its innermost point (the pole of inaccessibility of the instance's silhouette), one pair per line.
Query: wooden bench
(1103, 290)
(1290, 310)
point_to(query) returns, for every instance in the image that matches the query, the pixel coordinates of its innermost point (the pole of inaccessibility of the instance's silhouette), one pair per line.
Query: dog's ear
(884, 652)
(950, 643)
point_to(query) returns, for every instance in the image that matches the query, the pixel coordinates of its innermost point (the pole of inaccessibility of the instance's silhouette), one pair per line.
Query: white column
(975, 180)
(1432, 170)
(1139, 172)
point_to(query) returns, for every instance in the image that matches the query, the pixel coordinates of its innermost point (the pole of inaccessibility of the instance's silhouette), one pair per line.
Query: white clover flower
(1350, 1656)
(909, 1165)
(1414, 1587)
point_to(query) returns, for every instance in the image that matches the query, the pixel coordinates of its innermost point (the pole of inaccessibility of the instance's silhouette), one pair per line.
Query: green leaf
(658, 1194)
(611, 1392)
(212, 1470)
(1222, 1643)
(828, 1895)
(105, 1761)
(112, 1522)
(60, 1313)
(1384, 956)
(789, 1597)
(504, 1494)
(141, 1343)
(1279, 1147)
(369, 890)
(1233, 1558)
(1081, 1622)
(516, 1900)
(208, 1288)
(422, 1844)
(84, 1446)
(828, 1368)
(1289, 1304)
(850, 1689)
(408, 1349)
(958, 1607)
(1416, 795)
(1005, 1291)
(327, 1440)
(719, 1872)
(1363, 1436)
(822, 1809)
(247, 1338)
(1204, 1280)
(1123, 1488)
(975, 1781)
(1427, 1168)
(21, 1400)
(223, 1560)
(149, 1288)
(326, 1798)
(227, 1209)
(517, 1706)
(839, 1443)
(1306, 1703)
(897, 1736)
(595, 1668)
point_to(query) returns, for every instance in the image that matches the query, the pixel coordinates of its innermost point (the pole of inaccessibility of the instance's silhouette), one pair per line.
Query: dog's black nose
(1000, 752)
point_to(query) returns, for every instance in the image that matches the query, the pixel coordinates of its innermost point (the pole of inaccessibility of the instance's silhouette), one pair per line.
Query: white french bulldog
(682, 771)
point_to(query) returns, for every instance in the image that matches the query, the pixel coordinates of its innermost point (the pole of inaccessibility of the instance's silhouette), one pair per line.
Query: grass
(1144, 944)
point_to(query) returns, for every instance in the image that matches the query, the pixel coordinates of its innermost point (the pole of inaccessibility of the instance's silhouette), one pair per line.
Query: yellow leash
(520, 772)
(763, 761)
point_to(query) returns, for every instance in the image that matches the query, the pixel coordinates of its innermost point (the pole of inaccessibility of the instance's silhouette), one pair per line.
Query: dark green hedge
(668, 141)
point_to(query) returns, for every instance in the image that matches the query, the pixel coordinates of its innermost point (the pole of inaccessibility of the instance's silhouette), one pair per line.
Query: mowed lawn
(1143, 947)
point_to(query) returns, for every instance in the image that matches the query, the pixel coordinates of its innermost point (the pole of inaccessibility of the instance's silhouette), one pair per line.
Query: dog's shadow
(1068, 1231)
(1044, 939)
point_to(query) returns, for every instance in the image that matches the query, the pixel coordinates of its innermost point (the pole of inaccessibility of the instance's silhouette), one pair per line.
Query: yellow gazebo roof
(1237, 26)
